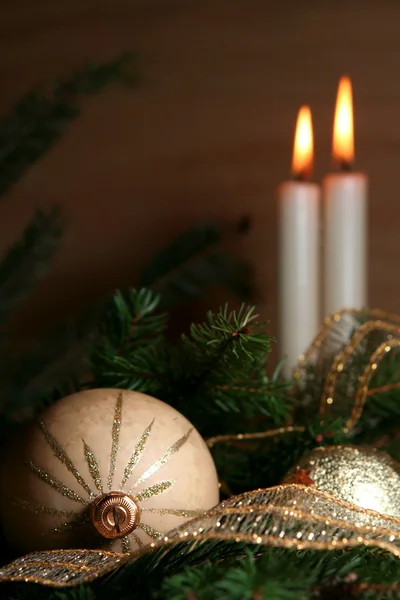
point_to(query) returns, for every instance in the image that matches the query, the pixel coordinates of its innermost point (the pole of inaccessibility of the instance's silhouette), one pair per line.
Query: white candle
(345, 217)
(299, 205)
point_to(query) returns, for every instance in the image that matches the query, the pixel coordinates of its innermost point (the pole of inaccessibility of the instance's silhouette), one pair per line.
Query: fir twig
(124, 347)
(47, 370)
(195, 261)
(221, 362)
(40, 118)
(27, 260)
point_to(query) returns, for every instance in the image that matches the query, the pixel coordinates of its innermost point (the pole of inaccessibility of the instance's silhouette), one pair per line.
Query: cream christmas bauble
(104, 468)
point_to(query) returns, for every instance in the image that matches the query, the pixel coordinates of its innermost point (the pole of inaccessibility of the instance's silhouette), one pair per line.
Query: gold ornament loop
(114, 515)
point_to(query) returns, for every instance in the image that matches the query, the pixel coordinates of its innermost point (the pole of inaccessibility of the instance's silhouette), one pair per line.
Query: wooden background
(207, 134)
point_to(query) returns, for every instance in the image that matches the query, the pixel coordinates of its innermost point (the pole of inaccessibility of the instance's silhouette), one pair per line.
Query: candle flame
(302, 162)
(343, 128)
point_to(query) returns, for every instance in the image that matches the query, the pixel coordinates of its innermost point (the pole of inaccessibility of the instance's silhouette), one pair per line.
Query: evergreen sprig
(48, 370)
(27, 260)
(126, 351)
(40, 118)
(27, 133)
(123, 328)
(238, 333)
(221, 361)
(273, 574)
(130, 322)
(195, 261)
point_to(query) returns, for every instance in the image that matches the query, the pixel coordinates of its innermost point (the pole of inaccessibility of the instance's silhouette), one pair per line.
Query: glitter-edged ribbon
(285, 516)
(337, 369)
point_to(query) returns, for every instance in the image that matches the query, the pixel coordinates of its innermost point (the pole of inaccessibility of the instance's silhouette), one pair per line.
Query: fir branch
(221, 363)
(195, 261)
(41, 116)
(131, 321)
(222, 336)
(251, 393)
(142, 373)
(274, 574)
(244, 578)
(220, 368)
(48, 370)
(27, 260)
(150, 570)
(123, 350)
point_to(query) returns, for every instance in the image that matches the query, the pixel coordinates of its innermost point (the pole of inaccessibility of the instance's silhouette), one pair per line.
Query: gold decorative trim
(243, 437)
(284, 516)
(338, 357)
(366, 376)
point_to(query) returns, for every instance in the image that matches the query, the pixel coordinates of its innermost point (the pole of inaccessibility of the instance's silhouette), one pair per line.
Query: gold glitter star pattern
(136, 455)
(93, 467)
(154, 490)
(165, 457)
(54, 482)
(64, 458)
(73, 519)
(115, 439)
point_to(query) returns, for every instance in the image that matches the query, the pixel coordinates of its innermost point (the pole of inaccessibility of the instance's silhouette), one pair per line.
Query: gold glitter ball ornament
(108, 469)
(361, 475)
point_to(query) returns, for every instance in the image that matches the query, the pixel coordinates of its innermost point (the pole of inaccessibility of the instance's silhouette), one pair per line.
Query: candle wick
(345, 166)
(301, 176)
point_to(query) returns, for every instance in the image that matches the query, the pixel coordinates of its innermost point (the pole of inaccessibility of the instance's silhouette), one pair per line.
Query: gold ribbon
(337, 371)
(285, 516)
(339, 365)
(259, 435)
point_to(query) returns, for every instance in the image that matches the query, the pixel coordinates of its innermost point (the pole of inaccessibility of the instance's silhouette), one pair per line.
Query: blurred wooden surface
(207, 134)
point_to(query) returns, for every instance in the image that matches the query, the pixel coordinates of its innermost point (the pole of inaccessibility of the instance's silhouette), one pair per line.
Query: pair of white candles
(342, 240)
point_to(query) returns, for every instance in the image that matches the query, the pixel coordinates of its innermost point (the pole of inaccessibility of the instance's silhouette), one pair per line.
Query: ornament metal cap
(114, 514)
